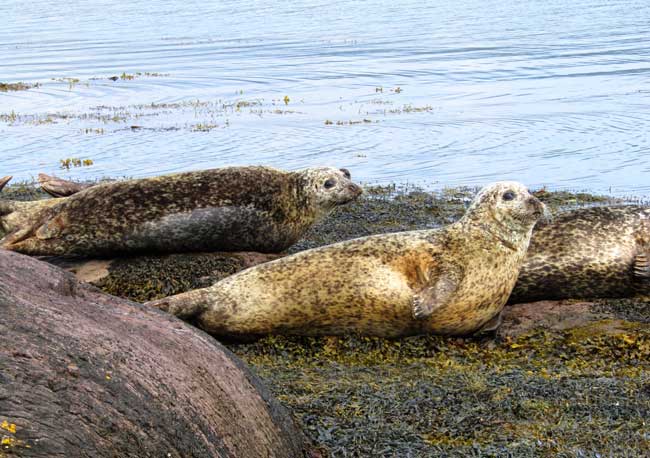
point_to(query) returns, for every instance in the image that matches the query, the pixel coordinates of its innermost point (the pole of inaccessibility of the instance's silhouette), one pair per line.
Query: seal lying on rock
(588, 253)
(229, 209)
(453, 280)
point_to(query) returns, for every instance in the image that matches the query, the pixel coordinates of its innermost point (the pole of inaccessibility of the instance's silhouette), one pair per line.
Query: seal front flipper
(431, 298)
(493, 325)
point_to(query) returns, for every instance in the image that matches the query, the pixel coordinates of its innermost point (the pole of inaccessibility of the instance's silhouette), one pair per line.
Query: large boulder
(83, 373)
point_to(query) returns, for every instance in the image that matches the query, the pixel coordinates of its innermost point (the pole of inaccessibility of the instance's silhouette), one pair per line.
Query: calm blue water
(547, 92)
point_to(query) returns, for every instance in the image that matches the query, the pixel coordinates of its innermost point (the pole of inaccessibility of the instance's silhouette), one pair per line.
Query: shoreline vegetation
(22, 86)
(560, 379)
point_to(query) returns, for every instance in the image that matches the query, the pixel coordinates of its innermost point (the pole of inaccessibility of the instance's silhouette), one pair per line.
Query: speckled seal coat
(229, 209)
(588, 253)
(452, 280)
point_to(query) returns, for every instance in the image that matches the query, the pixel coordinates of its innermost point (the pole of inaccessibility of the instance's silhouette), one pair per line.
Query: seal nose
(539, 209)
(355, 189)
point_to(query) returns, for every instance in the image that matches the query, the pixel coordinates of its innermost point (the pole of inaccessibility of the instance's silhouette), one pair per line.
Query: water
(548, 92)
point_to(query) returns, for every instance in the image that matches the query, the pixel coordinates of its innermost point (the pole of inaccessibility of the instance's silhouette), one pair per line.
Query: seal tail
(6, 206)
(56, 187)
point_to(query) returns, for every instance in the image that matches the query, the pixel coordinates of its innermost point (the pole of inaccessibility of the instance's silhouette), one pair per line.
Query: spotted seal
(453, 280)
(228, 209)
(588, 253)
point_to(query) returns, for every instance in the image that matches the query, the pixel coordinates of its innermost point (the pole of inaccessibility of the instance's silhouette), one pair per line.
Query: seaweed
(583, 392)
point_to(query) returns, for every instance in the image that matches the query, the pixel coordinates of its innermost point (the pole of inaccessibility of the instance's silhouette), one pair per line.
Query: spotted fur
(588, 253)
(371, 285)
(228, 209)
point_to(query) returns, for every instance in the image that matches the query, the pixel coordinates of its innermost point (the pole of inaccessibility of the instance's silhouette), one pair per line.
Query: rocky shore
(560, 379)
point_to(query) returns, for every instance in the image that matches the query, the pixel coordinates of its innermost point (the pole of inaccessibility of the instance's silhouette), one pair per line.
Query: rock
(83, 373)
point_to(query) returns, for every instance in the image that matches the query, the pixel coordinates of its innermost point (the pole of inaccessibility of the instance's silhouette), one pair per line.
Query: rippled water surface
(441, 93)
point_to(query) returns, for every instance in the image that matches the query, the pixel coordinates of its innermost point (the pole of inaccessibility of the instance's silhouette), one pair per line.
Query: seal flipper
(433, 297)
(56, 187)
(4, 181)
(493, 325)
(642, 272)
(184, 306)
(641, 266)
(6, 206)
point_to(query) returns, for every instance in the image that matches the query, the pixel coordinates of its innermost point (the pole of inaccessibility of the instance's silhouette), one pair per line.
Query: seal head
(328, 187)
(507, 211)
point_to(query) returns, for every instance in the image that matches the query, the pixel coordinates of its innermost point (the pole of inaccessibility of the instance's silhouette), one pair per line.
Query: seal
(454, 280)
(228, 209)
(588, 253)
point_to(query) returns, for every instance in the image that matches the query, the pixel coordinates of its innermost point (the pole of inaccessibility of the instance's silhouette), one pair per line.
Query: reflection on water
(450, 93)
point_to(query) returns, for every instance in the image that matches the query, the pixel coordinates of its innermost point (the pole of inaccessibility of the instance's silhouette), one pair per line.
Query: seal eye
(329, 184)
(346, 172)
(508, 195)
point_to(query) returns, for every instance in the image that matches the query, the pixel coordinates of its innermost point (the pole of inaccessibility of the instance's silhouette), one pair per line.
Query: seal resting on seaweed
(228, 209)
(588, 253)
(454, 280)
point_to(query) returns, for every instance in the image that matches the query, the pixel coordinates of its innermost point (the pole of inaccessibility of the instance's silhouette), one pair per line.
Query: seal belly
(375, 300)
(227, 228)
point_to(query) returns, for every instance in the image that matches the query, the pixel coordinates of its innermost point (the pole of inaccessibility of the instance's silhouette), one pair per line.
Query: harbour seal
(588, 253)
(228, 209)
(454, 280)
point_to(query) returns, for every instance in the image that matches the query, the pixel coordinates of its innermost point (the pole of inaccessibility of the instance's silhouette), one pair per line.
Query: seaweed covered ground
(572, 380)
(582, 391)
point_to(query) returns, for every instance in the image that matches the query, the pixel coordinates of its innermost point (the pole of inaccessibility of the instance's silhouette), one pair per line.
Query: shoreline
(555, 381)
